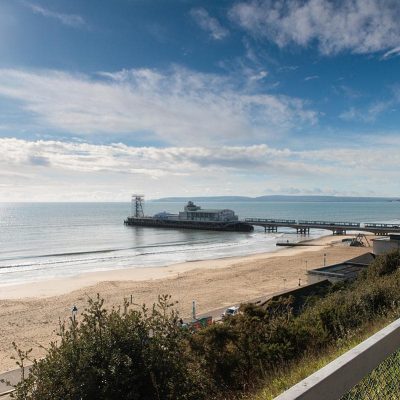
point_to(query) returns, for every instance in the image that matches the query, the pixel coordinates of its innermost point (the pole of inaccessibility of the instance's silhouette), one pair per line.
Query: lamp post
(194, 309)
(74, 311)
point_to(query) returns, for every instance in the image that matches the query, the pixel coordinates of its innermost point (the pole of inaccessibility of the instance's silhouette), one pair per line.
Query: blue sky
(100, 98)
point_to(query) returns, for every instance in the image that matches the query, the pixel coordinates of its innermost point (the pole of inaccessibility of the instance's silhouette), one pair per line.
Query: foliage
(145, 354)
(250, 348)
(117, 354)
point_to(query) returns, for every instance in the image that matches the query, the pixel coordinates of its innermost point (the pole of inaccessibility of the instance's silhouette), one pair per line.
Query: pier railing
(272, 221)
(370, 225)
(330, 223)
(370, 371)
(337, 227)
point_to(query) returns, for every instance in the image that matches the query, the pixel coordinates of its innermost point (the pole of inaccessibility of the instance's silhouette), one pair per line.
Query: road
(216, 313)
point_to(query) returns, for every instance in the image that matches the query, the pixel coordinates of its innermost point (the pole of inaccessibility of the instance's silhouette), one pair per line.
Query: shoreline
(59, 286)
(32, 322)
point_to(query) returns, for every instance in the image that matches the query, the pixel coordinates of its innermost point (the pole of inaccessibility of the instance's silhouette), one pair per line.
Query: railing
(330, 223)
(272, 221)
(370, 225)
(369, 371)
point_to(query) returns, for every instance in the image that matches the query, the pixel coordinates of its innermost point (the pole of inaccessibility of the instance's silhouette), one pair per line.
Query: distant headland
(271, 198)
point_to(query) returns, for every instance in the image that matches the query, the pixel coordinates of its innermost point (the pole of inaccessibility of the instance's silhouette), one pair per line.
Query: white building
(195, 213)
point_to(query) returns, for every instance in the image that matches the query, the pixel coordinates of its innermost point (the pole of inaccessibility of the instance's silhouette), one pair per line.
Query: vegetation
(145, 354)
(117, 354)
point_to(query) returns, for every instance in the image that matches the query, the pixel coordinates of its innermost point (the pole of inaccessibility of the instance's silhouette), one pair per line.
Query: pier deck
(337, 228)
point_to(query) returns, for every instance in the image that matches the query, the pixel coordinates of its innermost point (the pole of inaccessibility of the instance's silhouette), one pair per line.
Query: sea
(40, 241)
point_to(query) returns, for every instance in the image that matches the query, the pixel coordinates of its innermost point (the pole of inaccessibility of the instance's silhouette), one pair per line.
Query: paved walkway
(13, 377)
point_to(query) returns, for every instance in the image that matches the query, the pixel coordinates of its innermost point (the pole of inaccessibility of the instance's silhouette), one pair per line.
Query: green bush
(383, 265)
(117, 354)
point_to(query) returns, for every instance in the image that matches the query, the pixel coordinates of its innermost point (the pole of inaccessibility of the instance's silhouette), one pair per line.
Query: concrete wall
(385, 245)
(315, 278)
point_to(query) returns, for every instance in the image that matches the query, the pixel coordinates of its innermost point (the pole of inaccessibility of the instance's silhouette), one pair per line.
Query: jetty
(195, 217)
(337, 228)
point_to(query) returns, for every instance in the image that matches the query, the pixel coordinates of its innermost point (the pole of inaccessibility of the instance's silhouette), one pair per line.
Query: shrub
(117, 354)
(383, 265)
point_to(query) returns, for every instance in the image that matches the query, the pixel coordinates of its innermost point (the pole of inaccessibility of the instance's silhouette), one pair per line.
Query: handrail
(373, 225)
(342, 374)
(330, 223)
(278, 221)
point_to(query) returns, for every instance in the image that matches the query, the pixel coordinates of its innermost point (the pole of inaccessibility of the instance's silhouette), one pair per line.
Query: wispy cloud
(108, 170)
(347, 91)
(391, 53)
(372, 111)
(210, 24)
(370, 114)
(311, 78)
(173, 105)
(357, 26)
(72, 20)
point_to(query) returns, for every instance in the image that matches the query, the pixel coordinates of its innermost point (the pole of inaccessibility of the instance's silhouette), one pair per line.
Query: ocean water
(52, 240)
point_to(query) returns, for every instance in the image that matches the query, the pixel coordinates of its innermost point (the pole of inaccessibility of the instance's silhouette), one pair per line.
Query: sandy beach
(30, 312)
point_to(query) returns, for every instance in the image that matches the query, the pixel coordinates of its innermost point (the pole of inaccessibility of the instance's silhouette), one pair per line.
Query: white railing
(342, 374)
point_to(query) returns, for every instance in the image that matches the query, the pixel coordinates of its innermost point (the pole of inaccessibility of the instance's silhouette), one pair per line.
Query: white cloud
(120, 158)
(72, 20)
(210, 24)
(311, 78)
(173, 106)
(357, 26)
(391, 53)
(55, 170)
(183, 161)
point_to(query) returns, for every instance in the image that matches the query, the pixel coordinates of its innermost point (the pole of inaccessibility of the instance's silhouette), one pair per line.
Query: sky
(100, 99)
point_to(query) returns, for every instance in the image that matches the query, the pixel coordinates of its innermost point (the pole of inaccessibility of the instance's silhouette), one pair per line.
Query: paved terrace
(337, 228)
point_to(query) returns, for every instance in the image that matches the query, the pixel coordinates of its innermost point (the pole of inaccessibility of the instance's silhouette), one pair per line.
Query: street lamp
(74, 311)
(194, 310)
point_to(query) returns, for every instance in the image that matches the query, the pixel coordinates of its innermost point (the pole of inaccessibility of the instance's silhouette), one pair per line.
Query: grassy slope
(310, 363)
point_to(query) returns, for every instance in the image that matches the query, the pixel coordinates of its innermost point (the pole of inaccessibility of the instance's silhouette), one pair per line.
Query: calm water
(41, 241)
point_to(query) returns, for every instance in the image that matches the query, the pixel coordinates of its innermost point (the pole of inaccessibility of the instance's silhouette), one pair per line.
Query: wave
(100, 251)
(38, 262)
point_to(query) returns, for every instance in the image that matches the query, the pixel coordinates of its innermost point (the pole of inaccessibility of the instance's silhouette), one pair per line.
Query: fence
(369, 371)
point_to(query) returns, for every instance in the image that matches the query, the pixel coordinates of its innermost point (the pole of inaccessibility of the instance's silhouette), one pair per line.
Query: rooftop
(346, 270)
(390, 237)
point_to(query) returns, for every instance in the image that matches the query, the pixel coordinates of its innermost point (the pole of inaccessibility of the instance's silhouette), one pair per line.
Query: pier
(337, 228)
